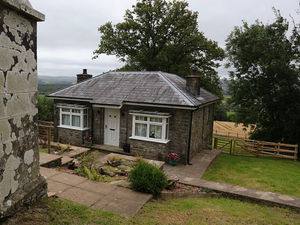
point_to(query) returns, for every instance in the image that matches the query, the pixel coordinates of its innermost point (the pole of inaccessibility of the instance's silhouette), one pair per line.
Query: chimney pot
(84, 76)
(193, 84)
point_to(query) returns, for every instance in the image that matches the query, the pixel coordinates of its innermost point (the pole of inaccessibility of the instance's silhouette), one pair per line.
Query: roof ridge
(176, 88)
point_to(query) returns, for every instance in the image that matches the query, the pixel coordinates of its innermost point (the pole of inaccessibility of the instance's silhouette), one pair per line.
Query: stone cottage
(20, 179)
(148, 113)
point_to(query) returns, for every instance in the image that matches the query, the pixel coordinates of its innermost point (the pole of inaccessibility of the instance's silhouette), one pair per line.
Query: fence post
(230, 146)
(216, 143)
(296, 153)
(49, 139)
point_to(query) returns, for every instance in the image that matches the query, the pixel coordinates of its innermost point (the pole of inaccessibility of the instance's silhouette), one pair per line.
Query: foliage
(161, 35)
(147, 178)
(87, 160)
(45, 108)
(63, 148)
(266, 174)
(88, 173)
(265, 82)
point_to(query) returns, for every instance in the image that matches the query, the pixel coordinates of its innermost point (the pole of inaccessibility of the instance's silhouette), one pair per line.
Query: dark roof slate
(115, 88)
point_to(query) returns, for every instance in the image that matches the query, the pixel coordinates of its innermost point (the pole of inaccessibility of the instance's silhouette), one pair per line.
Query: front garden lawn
(53, 211)
(266, 174)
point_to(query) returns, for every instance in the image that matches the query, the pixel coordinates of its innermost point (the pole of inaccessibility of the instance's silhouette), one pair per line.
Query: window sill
(150, 140)
(73, 128)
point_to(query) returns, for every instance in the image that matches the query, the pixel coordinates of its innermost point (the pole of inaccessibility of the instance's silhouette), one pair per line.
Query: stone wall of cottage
(179, 125)
(66, 135)
(20, 179)
(202, 129)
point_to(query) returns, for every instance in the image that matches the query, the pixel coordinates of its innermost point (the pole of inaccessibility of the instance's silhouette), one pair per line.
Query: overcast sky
(68, 37)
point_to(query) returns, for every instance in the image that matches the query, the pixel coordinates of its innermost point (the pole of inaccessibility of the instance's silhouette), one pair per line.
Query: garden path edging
(246, 193)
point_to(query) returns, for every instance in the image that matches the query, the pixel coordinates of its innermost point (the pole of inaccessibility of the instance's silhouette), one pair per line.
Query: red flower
(173, 156)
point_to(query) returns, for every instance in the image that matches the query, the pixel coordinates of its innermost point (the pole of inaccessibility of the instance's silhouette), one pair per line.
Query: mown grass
(178, 211)
(275, 175)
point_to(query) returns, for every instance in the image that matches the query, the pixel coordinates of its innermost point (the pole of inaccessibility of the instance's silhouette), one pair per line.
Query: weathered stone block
(20, 103)
(20, 82)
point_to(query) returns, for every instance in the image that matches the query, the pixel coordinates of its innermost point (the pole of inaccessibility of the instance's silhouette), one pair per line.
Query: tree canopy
(265, 87)
(162, 35)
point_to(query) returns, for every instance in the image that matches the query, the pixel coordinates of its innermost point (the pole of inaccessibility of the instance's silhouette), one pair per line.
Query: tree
(265, 86)
(45, 108)
(162, 35)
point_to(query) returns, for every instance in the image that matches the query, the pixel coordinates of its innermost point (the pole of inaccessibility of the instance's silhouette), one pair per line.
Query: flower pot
(173, 162)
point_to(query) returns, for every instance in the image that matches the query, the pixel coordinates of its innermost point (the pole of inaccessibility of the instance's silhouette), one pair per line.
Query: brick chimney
(84, 76)
(193, 84)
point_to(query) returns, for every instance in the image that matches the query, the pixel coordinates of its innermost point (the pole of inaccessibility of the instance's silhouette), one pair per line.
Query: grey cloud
(69, 35)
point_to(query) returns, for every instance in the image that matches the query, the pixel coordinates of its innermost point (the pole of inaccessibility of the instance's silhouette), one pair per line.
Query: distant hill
(50, 84)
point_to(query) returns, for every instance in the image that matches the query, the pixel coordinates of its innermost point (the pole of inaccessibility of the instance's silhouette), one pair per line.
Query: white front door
(112, 127)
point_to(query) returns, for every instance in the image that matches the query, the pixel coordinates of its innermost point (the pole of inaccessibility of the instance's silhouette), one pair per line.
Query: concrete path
(96, 195)
(200, 164)
(233, 190)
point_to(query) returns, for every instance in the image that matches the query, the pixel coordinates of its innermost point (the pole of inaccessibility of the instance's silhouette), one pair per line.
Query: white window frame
(81, 114)
(165, 125)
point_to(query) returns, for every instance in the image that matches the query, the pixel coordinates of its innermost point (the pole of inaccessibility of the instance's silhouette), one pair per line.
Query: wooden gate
(248, 147)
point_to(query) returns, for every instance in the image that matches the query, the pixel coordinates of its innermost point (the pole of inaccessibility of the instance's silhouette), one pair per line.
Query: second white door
(112, 127)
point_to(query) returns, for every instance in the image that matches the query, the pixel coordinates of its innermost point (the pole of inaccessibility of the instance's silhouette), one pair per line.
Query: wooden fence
(235, 146)
(46, 133)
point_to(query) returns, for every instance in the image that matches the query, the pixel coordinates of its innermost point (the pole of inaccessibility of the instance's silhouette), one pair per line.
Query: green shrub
(147, 178)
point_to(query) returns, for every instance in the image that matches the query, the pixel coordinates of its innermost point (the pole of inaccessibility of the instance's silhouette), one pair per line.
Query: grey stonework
(70, 136)
(179, 129)
(20, 179)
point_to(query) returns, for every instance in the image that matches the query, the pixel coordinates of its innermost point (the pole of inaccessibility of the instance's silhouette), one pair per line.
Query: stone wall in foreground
(20, 179)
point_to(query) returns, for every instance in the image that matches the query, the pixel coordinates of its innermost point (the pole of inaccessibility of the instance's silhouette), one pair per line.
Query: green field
(266, 174)
(179, 211)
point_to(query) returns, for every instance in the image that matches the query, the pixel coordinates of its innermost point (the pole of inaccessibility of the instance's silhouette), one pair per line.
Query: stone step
(65, 161)
(75, 150)
(110, 149)
(48, 160)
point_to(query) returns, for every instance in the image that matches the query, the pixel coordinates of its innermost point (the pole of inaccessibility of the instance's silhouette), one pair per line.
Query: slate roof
(117, 88)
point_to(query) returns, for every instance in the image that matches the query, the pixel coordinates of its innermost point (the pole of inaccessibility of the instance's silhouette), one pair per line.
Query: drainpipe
(189, 141)
(92, 123)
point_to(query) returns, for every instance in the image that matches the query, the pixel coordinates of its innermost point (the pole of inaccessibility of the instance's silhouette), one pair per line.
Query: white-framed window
(73, 117)
(150, 128)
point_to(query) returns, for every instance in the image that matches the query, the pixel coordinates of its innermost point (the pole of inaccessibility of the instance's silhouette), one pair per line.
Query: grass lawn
(43, 150)
(266, 174)
(179, 211)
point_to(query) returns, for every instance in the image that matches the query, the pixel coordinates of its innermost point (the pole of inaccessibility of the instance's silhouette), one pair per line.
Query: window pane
(141, 118)
(76, 111)
(156, 119)
(85, 111)
(76, 121)
(155, 131)
(85, 121)
(65, 110)
(140, 130)
(65, 119)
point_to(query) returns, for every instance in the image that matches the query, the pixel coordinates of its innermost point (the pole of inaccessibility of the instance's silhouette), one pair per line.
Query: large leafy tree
(265, 86)
(162, 35)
